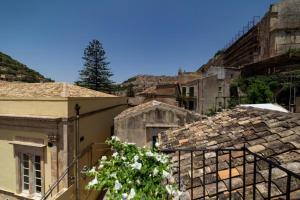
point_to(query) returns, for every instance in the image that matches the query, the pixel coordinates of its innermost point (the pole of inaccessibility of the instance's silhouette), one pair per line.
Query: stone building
(166, 93)
(37, 134)
(271, 134)
(142, 123)
(264, 40)
(267, 46)
(189, 95)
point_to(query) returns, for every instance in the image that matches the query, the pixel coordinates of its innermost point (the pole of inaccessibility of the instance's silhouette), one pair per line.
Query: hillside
(13, 70)
(142, 82)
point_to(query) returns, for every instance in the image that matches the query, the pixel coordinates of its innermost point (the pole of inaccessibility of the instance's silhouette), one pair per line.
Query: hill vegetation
(13, 70)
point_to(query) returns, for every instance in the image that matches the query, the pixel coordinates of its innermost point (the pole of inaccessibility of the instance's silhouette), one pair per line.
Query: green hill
(13, 70)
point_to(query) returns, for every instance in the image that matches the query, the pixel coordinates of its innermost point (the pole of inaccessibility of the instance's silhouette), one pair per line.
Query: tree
(96, 73)
(130, 90)
(259, 92)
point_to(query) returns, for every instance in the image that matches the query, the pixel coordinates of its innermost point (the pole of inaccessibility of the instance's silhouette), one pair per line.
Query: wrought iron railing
(247, 157)
(69, 171)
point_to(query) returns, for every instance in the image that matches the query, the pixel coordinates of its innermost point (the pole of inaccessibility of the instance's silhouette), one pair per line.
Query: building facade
(37, 134)
(142, 123)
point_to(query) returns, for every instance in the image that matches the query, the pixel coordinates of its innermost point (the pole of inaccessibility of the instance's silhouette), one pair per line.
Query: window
(191, 91)
(191, 105)
(152, 135)
(30, 166)
(25, 172)
(183, 91)
(220, 89)
(31, 173)
(220, 104)
(154, 140)
(37, 174)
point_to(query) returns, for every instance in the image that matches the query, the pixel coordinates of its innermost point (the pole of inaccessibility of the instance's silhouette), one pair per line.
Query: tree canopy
(95, 73)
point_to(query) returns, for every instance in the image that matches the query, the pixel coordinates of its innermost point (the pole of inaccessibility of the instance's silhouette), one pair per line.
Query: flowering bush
(133, 173)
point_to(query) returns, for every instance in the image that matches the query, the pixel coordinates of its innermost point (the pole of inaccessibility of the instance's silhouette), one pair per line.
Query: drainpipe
(77, 108)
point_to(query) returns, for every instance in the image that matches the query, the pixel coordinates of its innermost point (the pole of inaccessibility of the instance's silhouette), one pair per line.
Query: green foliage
(95, 74)
(258, 89)
(130, 80)
(133, 173)
(211, 112)
(18, 71)
(293, 52)
(130, 90)
(259, 92)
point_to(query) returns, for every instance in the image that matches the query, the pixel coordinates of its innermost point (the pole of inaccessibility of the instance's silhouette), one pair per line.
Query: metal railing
(246, 153)
(69, 170)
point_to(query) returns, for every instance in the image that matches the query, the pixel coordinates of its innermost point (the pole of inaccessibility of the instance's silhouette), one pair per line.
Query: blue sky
(139, 36)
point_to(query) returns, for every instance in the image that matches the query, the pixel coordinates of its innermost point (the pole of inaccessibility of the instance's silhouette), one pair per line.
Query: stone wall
(134, 128)
(214, 91)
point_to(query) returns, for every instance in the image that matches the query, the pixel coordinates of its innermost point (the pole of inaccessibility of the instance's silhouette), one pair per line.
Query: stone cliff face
(13, 70)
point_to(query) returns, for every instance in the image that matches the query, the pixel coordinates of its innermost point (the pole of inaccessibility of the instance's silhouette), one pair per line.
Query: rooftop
(46, 90)
(150, 106)
(272, 134)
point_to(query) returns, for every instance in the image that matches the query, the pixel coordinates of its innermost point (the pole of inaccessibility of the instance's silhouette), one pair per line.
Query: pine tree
(96, 73)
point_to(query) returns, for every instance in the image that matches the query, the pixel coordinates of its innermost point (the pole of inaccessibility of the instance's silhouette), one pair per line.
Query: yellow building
(37, 133)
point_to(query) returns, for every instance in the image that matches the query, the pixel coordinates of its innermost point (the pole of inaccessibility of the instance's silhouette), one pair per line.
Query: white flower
(115, 138)
(131, 143)
(161, 158)
(118, 185)
(124, 196)
(131, 194)
(166, 174)
(103, 158)
(113, 175)
(149, 153)
(136, 165)
(155, 171)
(115, 154)
(100, 166)
(93, 182)
(138, 181)
(93, 170)
(123, 158)
(136, 157)
(169, 189)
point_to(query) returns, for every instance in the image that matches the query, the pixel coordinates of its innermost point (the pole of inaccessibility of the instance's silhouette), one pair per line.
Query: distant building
(167, 93)
(189, 94)
(37, 134)
(270, 45)
(142, 123)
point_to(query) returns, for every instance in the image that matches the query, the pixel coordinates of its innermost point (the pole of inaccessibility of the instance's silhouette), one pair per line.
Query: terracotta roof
(150, 106)
(29, 90)
(274, 135)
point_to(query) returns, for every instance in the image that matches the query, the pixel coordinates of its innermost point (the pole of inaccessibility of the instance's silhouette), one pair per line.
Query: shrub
(133, 173)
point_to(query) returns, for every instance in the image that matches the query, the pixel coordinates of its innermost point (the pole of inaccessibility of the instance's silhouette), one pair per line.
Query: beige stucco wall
(96, 127)
(41, 107)
(8, 161)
